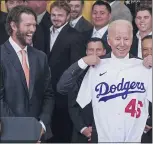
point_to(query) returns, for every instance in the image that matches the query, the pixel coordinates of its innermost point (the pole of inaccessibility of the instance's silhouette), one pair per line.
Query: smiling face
(23, 32)
(120, 39)
(100, 16)
(59, 17)
(95, 48)
(76, 8)
(143, 21)
(146, 47)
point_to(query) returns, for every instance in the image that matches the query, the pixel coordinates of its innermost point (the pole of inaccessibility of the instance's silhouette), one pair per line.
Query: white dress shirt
(40, 17)
(18, 49)
(99, 33)
(54, 34)
(74, 22)
(139, 44)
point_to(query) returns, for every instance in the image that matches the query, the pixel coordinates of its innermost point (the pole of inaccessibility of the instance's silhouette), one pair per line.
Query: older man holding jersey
(120, 89)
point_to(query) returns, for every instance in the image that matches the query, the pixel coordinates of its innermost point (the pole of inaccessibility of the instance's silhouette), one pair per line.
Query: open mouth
(121, 50)
(29, 36)
(142, 25)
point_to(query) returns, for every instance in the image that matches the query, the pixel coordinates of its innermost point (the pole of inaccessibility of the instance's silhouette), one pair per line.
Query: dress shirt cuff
(43, 126)
(82, 130)
(82, 64)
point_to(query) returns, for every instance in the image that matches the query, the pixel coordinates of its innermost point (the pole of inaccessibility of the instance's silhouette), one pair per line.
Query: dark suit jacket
(67, 49)
(147, 137)
(39, 38)
(16, 100)
(45, 22)
(134, 47)
(3, 34)
(88, 34)
(83, 25)
(3, 16)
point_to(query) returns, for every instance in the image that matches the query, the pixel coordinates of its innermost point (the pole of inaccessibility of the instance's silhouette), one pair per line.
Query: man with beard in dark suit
(27, 79)
(64, 46)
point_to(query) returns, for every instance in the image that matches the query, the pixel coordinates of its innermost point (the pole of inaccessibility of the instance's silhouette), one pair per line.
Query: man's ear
(108, 41)
(13, 26)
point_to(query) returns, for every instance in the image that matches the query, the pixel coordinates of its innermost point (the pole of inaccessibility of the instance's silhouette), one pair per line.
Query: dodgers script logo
(106, 92)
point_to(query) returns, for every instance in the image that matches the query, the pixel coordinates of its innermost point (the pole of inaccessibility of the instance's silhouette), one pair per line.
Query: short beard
(20, 37)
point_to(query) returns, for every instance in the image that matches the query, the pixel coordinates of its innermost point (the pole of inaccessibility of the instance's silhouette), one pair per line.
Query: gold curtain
(86, 10)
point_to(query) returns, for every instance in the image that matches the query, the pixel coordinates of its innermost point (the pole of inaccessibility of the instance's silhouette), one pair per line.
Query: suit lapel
(32, 65)
(79, 23)
(105, 36)
(13, 58)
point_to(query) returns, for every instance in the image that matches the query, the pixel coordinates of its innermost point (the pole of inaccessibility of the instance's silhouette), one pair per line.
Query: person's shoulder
(106, 56)
(135, 57)
(37, 52)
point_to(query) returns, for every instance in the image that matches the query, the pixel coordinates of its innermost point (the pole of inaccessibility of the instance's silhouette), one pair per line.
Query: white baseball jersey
(119, 90)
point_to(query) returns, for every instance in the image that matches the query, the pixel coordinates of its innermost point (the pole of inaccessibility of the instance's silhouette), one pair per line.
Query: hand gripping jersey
(119, 92)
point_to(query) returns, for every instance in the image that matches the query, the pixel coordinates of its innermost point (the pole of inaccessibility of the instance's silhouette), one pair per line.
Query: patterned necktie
(25, 66)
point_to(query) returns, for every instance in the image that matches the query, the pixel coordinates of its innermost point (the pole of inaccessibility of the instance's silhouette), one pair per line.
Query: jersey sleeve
(85, 93)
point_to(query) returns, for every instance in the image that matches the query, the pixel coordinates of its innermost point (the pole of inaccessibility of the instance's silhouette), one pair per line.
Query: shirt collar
(74, 22)
(16, 47)
(121, 59)
(40, 17)
(101, 31)
(112, 3)
(138, 34)
(57, 30)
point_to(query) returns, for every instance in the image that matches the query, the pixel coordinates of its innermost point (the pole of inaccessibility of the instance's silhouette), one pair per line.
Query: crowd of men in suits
(53, 43)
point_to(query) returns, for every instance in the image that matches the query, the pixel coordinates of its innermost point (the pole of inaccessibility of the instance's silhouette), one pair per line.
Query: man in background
(9, 5)
(143, 21)
(43, 17)
(100, 16)
(64, 46)
(77, 21)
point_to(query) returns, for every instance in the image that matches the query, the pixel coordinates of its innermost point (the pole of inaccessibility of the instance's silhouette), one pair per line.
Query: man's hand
(91, 60)
(87, 132)
(147, 128)
(147, 62)
(41, 133)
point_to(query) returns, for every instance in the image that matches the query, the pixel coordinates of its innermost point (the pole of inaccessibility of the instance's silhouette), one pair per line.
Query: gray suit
(120, 11)
(83, 25)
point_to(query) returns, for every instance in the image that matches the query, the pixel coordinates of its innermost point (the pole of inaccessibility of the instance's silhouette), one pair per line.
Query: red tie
(25, 66)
